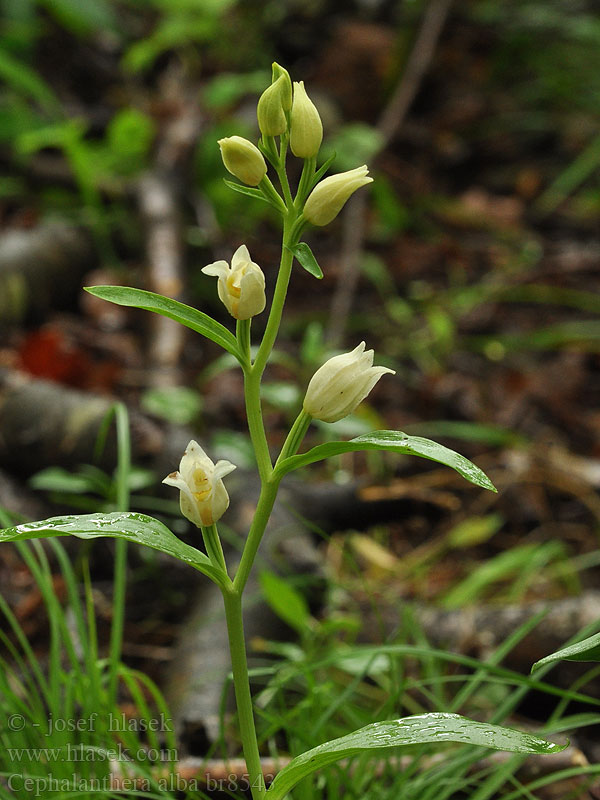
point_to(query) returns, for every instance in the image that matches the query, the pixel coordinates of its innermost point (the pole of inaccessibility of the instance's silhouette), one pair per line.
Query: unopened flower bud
(306, 130)
(241, 287)
(243, 159)
(286, 94)
(343, 382)
(269, 111)
(202, 495)
(328, 197)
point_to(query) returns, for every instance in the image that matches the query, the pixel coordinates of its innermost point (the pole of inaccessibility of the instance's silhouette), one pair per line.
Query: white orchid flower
(203, 498)
(241, 287)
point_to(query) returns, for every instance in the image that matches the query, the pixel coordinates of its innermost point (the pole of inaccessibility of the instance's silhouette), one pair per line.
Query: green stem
(308, 172)
(255, 423)
(279, 295)
(120, 573)
(242, 332)
(282, 174)
(266, 501)
(272, 195)
(239, 668)
(295, 436)
(214, 550)
(253, 405)
(269, 150)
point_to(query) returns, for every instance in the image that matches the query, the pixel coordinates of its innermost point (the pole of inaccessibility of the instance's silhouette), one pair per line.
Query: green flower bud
(271, 117)
(343, 382)
(286, 94)
(243, 159)
(328, 197)
(306, 131)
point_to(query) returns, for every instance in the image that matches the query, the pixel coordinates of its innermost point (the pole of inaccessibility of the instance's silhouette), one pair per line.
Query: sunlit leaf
(120, 525)
(586, 650)
(186, 315)
(435, 727)
(397, 442)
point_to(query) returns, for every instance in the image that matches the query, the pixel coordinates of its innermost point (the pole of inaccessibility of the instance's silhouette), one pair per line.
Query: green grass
(323, 690)
(59, 710)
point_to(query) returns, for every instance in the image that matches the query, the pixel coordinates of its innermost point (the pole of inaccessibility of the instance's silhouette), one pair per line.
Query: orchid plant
(288, 120)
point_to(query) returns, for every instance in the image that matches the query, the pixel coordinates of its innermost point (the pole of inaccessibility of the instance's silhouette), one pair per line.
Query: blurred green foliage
(548, 51)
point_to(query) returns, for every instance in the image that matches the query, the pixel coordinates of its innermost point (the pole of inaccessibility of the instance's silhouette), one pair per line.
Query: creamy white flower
(306, 132)
(241, 287)
(202, 495)
(269, 111)
(329, 196)
(343, 382)
(243, 159)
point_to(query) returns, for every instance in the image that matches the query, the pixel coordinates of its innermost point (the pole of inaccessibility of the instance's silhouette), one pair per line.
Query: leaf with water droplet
(396, 442)
(132, 526)
(406, 731)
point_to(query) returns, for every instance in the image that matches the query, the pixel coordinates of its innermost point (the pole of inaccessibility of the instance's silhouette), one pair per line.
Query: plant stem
(242, 333)
(308, 173)
(266, 501)
(282, 174)
(252, 378)
(295, 436)
(239, 668)
(120, 573)
(255, 423)
(279, 295)
(214, 550)
(253, 406)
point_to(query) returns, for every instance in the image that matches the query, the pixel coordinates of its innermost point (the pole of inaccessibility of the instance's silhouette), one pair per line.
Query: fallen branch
(41, 270)
(388, 125)
(160, 198)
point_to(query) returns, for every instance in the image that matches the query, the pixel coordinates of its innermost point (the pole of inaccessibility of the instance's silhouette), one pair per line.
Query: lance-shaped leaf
(396, 442)
(247, 190)
(304, 256)
(186, 315)
(436, 727)
(586, 650)
(134, 527)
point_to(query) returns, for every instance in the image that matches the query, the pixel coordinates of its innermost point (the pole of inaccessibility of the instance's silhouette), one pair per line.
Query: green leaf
(179, 405)
(354, 144)
(121, 525)
(474, 530)
(57, 479)
(248, 190)
(586, 650)
(516, 564)
(304, 256)
(286, 602)
(397, 442)
(436, 728)
(26, 81)
(186, 315)
(322, 170)
(83, 19)
(228, 88)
